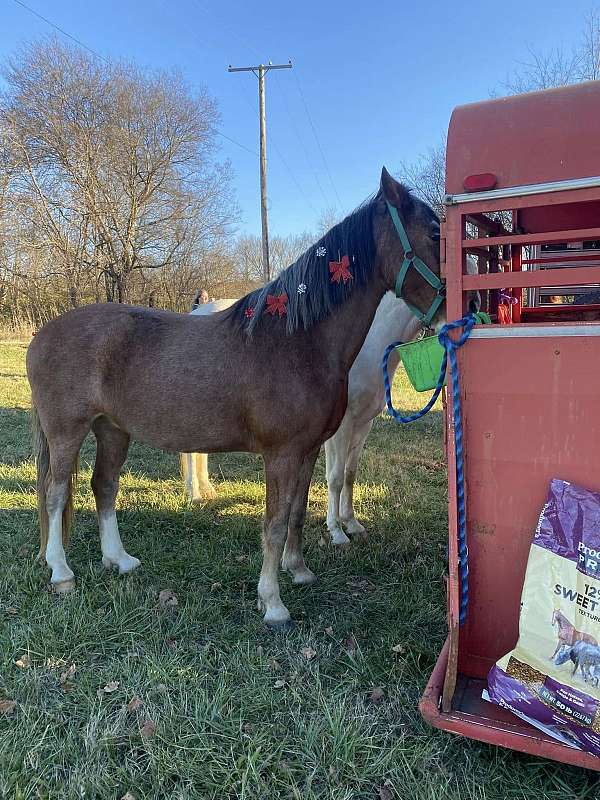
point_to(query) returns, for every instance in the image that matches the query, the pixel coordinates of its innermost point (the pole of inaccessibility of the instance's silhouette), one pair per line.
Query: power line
(301, 141)
(60, 30)
(239, 144)
(312, 125)
(95, 53)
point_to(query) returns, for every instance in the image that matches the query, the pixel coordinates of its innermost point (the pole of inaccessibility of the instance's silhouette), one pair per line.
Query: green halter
(411, 260)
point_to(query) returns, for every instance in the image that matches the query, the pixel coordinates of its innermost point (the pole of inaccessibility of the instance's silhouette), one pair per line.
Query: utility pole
(260, 71)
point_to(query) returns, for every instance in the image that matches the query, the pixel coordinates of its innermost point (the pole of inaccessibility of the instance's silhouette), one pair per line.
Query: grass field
(222, 708)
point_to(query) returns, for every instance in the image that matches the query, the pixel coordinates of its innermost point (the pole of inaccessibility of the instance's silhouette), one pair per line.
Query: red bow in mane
(339, 270)
(276, 304)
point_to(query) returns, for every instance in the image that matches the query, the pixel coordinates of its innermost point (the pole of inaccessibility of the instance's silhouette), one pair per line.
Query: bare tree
(560, 67)
(111, 168)
(284, 250)
(427, 176)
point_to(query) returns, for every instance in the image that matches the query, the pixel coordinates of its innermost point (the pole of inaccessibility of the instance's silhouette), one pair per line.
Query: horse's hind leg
(336, 452)
(195, 476)
(62, 463)
(359, 437)
(111, 452)
(293, 557)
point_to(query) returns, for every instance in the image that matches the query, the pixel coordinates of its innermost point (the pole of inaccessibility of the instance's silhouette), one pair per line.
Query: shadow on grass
(143, 461)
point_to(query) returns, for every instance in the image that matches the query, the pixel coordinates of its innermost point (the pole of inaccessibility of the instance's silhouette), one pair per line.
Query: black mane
(353, 237)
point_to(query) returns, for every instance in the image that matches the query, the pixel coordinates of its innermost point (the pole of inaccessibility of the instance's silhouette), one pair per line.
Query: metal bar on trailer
(536, 238)
(523, 191)
(580, 255)
(529, 201)
(571, 276)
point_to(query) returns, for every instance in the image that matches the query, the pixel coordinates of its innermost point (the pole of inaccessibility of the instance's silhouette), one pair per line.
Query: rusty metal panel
(531, 413)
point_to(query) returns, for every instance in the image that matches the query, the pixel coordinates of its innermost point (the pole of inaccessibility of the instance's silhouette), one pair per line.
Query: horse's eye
(435, 236)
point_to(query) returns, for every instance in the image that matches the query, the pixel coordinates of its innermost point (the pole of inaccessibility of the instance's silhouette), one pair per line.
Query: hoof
(124, 564)
(63, 587)
(339, 538)
(304, 577)
(281, 627)
(204, 494)
(278, 618)
(355, 529)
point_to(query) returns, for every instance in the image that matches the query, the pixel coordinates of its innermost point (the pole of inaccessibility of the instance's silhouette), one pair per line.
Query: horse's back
(210, 308)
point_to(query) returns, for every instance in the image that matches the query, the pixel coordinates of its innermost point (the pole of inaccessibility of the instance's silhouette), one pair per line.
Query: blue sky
(379, 79)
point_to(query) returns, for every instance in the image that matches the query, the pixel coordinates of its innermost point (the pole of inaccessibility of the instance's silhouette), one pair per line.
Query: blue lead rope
(450, 347)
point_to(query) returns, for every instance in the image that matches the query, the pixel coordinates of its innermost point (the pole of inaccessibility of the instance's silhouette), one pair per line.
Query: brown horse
(567, 633)
(269, 376)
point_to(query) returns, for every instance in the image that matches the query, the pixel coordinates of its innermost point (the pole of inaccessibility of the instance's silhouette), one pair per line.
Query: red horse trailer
(522, 180)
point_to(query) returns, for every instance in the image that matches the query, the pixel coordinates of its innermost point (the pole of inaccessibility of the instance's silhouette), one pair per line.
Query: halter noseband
(411, 260)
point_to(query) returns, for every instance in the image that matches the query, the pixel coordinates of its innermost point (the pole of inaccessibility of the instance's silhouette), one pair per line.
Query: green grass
(239, 712)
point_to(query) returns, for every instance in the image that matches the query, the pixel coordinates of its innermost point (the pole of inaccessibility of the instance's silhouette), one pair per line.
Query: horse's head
(407, 234)
(556, 615)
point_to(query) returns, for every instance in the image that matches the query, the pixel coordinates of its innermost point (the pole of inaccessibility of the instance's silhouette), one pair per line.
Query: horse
(393, 321)
(568, 635)
(269, 375)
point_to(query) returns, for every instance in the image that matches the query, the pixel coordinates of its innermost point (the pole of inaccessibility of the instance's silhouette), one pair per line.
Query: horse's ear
(396, 193)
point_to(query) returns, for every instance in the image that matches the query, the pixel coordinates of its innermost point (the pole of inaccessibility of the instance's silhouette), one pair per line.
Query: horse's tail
(41, 453)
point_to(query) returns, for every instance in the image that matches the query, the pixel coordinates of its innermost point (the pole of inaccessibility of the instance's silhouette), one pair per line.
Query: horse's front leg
(293, 556)
(558, 646)
(282, 472)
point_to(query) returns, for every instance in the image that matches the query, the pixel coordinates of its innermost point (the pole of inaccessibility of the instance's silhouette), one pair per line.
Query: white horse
(194, 466)
(393, 321)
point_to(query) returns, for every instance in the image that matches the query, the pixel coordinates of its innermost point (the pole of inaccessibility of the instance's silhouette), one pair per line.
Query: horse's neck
(344, 331)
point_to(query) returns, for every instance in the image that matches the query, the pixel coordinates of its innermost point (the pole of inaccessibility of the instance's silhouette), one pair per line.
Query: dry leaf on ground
(68, 673)
(308, 653)
(398, 648)
(7, 706)
(128, 796)
(167, 599)
(279, 684)
(148, 729)
(134, 704)
(351, 645)
(23, 661)
(328, 631)
(110, 687)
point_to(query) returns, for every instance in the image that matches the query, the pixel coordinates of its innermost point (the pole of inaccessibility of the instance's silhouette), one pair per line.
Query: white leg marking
(270, 602)
(62, 578)
(203, 488)
(336, 449)
(113, 552)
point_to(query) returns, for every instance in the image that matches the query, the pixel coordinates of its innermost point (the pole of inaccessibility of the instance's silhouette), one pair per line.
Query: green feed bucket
(423, 359)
